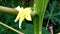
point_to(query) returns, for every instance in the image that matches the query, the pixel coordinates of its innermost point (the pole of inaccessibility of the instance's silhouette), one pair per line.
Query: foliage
(52, 14)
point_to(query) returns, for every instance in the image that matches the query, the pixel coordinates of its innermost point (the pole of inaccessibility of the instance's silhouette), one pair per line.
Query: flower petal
(20, 22)
(27, 13)
(18, 8)
(27, 10)
(17, 18)
(28, 17)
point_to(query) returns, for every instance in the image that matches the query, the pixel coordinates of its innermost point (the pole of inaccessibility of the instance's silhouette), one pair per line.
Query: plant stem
(47, 23)
(11, 28)
(8, 10)
(38, 20)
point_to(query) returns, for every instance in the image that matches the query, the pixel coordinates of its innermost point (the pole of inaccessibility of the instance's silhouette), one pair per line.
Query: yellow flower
(24, 13)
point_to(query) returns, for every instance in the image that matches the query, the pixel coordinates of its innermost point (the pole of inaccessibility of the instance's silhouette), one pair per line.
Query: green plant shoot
(40, 7)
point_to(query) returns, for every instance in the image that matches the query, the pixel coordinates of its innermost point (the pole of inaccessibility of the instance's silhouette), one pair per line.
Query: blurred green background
(52, 15)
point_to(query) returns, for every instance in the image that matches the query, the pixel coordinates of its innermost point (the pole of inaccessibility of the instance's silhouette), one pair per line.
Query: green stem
(38, 20)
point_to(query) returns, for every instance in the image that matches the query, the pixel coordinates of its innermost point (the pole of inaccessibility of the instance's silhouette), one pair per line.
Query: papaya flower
(24, 13)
